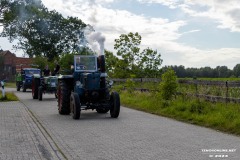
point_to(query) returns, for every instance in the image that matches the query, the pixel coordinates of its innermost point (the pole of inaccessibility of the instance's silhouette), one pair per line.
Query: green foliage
(132, 61)
(150, 62)
(41, 62)
(111, 63)
(41, 32)
(214, 115)
(236, 70)
(203, 72)
(10, 84)
(66, 61)
(4, 5)
(127, 46)
(130, 85)
(197, 106)
(168, 85)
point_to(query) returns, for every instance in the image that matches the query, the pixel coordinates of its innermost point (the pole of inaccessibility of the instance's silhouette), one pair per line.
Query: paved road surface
(134, 135)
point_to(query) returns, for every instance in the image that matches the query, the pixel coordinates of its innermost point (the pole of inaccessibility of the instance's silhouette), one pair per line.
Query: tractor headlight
(78, 84)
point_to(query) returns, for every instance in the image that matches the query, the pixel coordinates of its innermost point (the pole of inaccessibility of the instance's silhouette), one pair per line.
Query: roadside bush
(130, 84)
(168, 85)
(197, 107)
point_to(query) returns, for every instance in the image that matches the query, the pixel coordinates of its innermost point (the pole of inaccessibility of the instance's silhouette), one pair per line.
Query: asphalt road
(134, 135)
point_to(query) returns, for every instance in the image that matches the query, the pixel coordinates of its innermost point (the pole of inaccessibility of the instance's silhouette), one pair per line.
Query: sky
(191, 33)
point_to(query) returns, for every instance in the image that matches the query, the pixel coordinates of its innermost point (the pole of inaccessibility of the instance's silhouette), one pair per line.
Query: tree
(66, 61)
(135, 63)
(41, 32)
(4, 6)
(111, 62)
(41, 62)
(150, 62)
(127, 47)
(236, 70)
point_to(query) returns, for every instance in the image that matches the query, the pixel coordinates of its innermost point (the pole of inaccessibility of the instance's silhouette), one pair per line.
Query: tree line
(205, 72)
(47, 36)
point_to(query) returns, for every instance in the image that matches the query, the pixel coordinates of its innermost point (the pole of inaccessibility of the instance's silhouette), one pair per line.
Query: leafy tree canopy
(41, 32)
(133, 62)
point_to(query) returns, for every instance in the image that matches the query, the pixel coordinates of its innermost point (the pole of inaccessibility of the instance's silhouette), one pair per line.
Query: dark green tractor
(42, 85)
(87, 88)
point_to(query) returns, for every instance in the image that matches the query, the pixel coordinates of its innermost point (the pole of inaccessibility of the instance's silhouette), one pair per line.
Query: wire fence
(213, 91)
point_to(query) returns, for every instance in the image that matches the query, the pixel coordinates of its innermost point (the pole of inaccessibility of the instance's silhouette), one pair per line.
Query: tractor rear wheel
(75, 106)
(115, 105)
(40, 93)
(35, 85)
(63, 98)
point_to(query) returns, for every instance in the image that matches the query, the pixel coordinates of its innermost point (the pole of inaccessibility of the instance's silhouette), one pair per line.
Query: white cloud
(157, 33)
(225, 12)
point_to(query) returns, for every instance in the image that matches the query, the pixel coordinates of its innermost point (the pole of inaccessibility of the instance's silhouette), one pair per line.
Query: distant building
(10, 65)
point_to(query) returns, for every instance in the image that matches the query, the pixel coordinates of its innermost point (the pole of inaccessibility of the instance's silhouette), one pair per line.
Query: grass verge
(8, 97)
(10, 84)
(219, 116)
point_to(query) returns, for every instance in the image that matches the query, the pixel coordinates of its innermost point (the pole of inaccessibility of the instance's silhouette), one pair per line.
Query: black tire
(35, 85)
(64, 93)
(56, 95)
(75, 106)
(18, 86)
(101, 110)
(115, 105)
(40, 93)
(24, 88)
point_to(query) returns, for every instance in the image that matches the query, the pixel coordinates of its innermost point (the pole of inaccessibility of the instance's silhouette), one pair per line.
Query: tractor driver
(46, 71)
(57, 68)
(79, 65)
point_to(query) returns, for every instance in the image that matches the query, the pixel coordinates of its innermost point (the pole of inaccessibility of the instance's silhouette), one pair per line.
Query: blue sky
(192, 33)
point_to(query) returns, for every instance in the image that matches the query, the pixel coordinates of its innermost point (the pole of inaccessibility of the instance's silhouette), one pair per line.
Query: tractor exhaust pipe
(102, 69)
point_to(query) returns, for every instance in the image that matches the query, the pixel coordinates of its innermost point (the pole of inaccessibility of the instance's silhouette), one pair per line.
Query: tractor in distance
(24, 78)
(87, 88)
(42, 85)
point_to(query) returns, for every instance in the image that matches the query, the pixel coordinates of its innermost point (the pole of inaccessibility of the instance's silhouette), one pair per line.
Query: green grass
(10, 84)
(233, 92)
(8, 97)
(219, 116)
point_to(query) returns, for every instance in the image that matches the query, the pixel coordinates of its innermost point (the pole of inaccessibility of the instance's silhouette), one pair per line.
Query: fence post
(226, 91)
(196, 86)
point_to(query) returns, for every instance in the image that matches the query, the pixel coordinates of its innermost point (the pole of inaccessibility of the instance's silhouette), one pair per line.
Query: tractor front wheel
(63, 98)
(75, 106)
(40, 93)
(35, 85)
(115, 105)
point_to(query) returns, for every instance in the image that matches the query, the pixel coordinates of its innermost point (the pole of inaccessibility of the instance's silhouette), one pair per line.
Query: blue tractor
(24, 79)
(87, 88)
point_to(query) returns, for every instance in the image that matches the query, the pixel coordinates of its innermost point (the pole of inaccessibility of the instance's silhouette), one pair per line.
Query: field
(224, 116)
